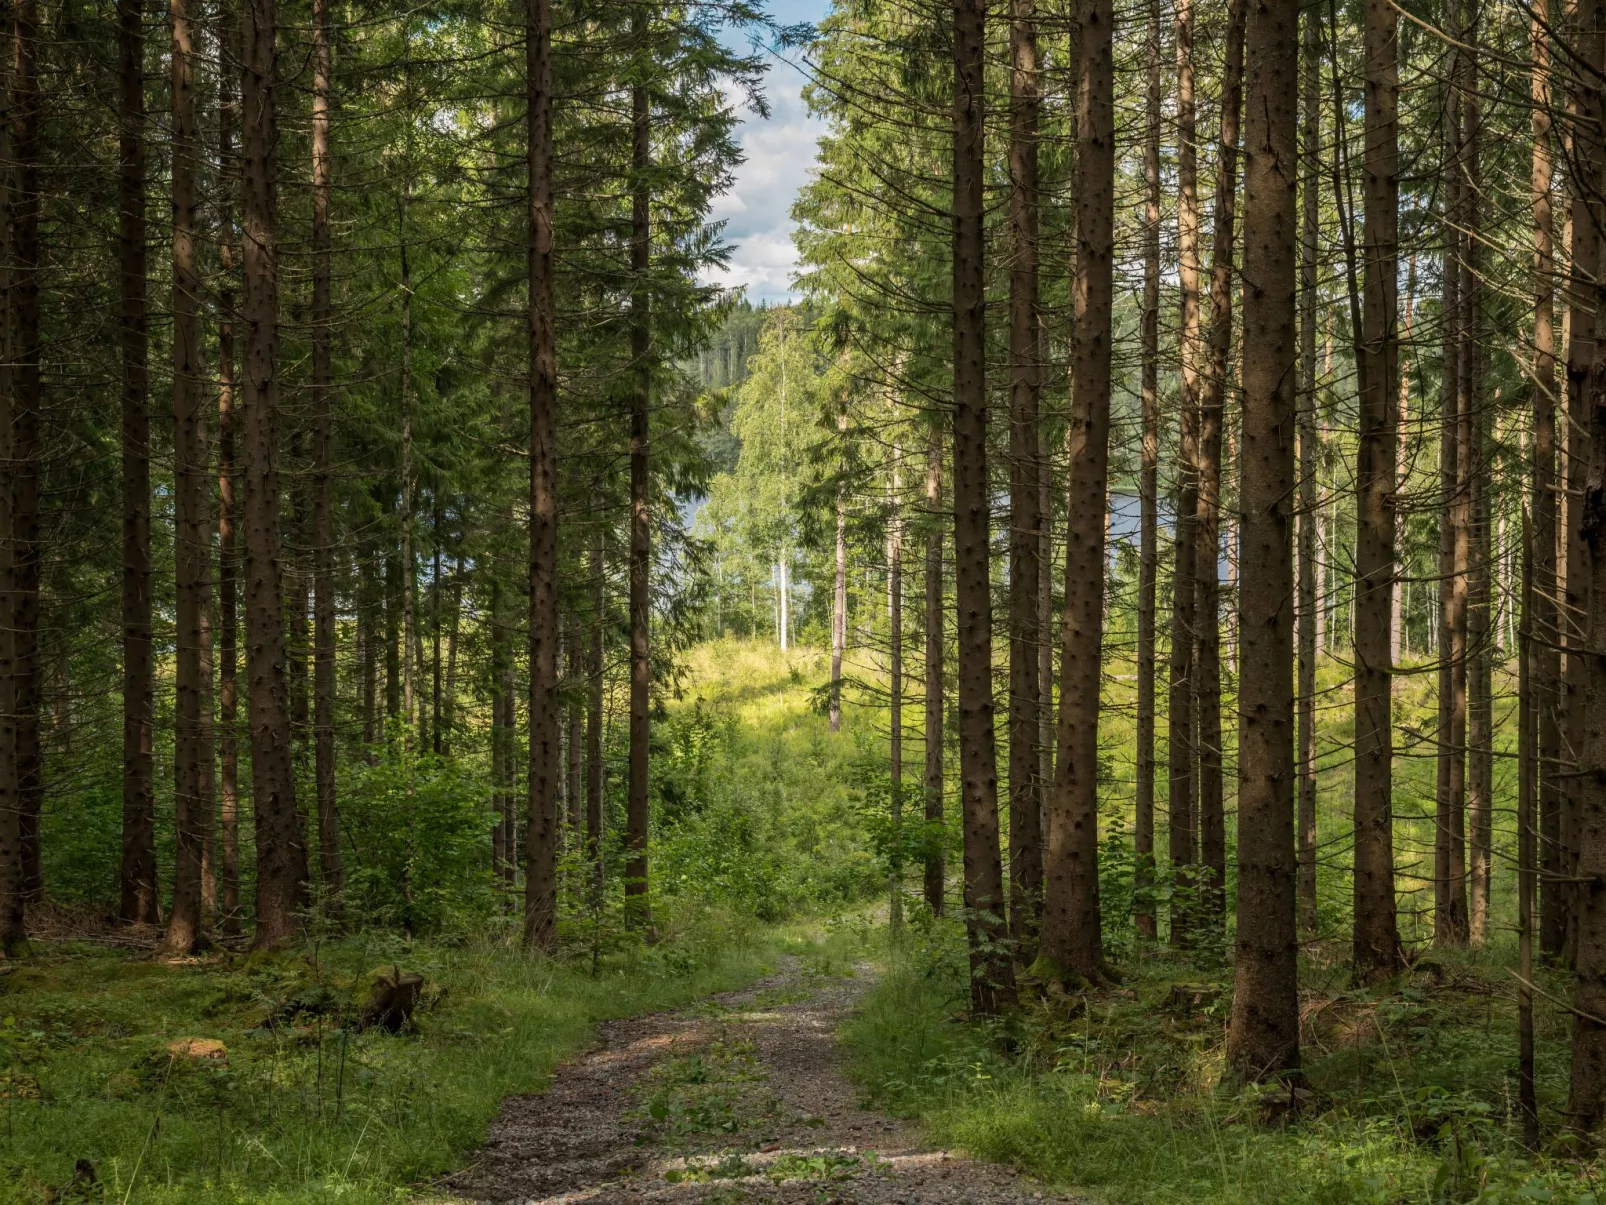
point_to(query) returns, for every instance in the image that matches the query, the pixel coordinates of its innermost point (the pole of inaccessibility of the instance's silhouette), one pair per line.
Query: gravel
(741, 1098)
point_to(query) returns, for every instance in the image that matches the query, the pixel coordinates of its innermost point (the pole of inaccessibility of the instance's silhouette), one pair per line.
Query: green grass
(298, 1111)
(1122, 1095)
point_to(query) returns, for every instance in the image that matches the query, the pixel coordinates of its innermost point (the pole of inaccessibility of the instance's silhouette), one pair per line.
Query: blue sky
(780, 152)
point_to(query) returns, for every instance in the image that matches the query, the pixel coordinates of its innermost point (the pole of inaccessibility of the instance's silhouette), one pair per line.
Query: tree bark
(1449, 877)
(1025, 359)
(1376, 938)
(1072, 931)
(1544, 628)
(281, 846)
(1149, 492)
(895, 687)
(13, 899)
(228, 555)
(1310, 458)
(594, 766)
(540, 883)
(839, 605)
(1586, 582)
(992, 976)
(636, 818)
(931, 586)
(323, 439)
(140, 896)
(1263, 1037)
(192, 544)
(1180, 719)
(1207, 518)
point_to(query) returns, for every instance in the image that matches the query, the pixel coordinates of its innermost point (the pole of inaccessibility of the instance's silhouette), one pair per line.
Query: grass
(300, 1110)
(1412, 1093)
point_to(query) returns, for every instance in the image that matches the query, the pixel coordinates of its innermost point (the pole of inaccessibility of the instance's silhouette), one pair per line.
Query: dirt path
(739, 1099)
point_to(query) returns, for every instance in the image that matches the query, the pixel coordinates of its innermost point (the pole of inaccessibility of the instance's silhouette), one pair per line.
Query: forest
(1111, 652)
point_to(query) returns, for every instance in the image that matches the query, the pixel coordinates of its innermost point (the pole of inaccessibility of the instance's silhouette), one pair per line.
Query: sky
(780, 152)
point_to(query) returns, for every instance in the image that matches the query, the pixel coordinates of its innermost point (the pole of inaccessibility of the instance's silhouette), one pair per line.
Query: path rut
(741, 1098)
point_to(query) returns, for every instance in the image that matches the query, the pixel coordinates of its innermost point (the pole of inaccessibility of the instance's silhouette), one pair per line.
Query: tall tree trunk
(140, 897)
(992, 976)
(1586, 582)
(393, 656)
(13, 899)
(636, 819)
(540, 883)
(1184, 578)
(1376, 940)
(1149, 492)
(1025, 359)
(839, 602)
(1402, 464)
(228, 550)
(575, 738)
(411, 660)
(1449, 875)
(281, 846)
(1263, 1037)
(436, 667)
(895, 685)
(192, 544)
(1544, 628)
(1207, 518)
(594, 766)
(1310, 455)
(323, 453)
(931, 587)
(1072, 932)
(502, 863)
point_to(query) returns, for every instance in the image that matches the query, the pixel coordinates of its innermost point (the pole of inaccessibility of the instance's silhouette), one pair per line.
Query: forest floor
(743, 1097)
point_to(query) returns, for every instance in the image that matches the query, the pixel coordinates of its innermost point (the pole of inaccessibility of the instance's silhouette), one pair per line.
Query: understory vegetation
(1409, 1095)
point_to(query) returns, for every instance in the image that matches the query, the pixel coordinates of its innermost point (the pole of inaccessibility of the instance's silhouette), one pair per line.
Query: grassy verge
(296, 1109)
(1412, 1096)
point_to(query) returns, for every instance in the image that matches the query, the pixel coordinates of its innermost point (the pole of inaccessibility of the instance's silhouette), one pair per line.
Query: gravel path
(741, 1098)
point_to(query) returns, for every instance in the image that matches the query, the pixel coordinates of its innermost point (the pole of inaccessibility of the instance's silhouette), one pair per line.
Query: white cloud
(757, 210)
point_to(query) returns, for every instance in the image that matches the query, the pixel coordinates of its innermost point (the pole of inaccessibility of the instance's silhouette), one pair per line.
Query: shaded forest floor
(128, 1078)
(1410, 1095)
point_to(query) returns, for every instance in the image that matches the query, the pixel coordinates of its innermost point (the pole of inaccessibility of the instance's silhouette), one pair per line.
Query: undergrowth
(101, 1098)
(1411, 1091)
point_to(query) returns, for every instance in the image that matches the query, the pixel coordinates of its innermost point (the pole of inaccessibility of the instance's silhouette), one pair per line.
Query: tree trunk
(1072, 932)
(895, 687)
(1263, 1037)
(594, 720)
(931, 586)
(1207, 518)
(192, 543)
(1310, 458)
(13, 898)
(839, 604)
(436, 667)
(1586, 582)
(1544, 628)
(575, 738)
(540, 883)
(228, 551)
(1184, 578)
(323, 438)
(281, 846)
(992, 976)
(636, 819)
(140, 897)
(1449, 910)
(1025, 358)
(1376, 940)
(1149, 491)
